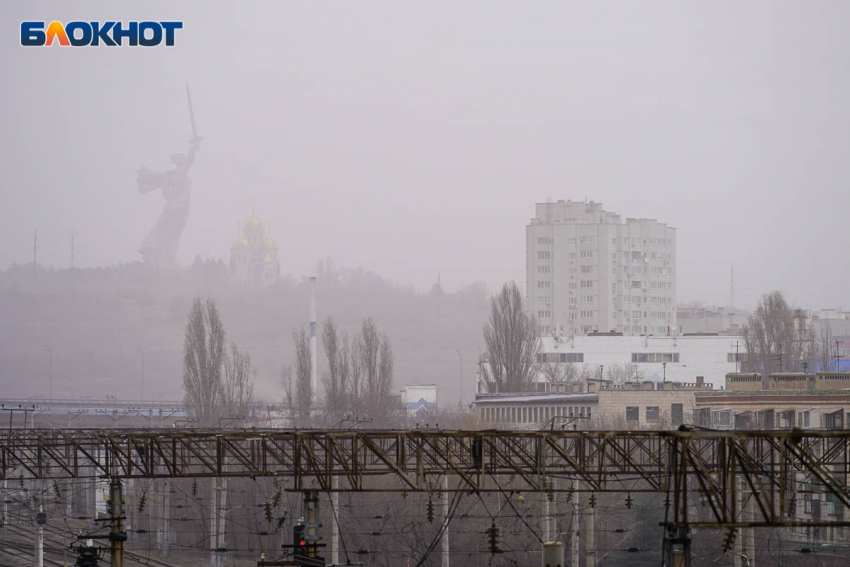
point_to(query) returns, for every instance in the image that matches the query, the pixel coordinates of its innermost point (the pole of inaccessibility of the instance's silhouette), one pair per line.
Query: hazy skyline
(414, 139)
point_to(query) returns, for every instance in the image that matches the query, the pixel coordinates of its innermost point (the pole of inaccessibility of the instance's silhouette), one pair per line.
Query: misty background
(412, 140)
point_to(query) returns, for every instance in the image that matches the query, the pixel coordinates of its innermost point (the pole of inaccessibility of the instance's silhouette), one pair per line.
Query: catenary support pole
(738, 546)
(335, 521)
(590, 533)
(39, 539)
(222, 542)
(117, 536)
(751, 532)
(445, 537)
(166, 507)
(575, 527)
(213, 526)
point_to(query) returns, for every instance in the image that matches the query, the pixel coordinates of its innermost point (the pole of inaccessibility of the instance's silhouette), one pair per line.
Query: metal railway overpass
(775, 467)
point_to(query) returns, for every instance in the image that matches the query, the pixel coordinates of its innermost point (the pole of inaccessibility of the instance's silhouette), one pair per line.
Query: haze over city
(383, 283)
(414, 140)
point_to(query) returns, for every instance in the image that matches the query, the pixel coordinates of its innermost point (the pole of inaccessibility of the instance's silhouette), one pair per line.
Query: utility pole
(445, 537)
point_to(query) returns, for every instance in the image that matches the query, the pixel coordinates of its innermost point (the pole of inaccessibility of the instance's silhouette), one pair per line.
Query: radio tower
(72, 249)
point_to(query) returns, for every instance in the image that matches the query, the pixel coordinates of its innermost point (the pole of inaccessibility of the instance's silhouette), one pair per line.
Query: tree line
(218, 377)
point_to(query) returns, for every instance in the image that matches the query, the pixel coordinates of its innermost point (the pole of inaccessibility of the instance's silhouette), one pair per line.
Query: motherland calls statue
(160, 245)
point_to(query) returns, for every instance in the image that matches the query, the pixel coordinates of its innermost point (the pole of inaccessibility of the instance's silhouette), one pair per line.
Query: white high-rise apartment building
(587, 270)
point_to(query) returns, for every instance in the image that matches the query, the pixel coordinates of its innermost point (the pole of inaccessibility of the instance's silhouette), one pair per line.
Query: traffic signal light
(300, 549)
(87, 556)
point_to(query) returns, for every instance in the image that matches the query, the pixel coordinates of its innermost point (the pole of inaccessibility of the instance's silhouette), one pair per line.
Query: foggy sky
(415, 138)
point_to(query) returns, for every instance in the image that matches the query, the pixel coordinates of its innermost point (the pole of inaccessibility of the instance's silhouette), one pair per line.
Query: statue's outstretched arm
(190, 157)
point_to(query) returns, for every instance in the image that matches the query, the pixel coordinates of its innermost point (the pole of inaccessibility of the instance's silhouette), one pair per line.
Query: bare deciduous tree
(619, 374)
(776, 339)
(376, 364)
(303, 370)
(825, 345)
(512, 343)
(237, 388)
(560, 372)
(203, 361)
(335, 379)
(217, 382)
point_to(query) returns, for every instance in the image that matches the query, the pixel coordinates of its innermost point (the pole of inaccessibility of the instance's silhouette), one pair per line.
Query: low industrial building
(654, 358)
(807, 401)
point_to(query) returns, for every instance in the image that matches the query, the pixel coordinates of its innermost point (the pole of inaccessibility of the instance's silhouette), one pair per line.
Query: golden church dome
(267, 259)
(253, 222)
(239, 243)
(268, 242)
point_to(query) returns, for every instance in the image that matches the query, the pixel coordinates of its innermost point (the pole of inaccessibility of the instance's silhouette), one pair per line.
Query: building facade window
(655, 357)
(632, 413)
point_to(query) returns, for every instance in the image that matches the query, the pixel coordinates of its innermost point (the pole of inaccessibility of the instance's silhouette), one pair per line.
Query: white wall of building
(711, 357)
(416, 396)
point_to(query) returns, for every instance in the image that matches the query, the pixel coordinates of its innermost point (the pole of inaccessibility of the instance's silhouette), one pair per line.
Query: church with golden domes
(253, 256)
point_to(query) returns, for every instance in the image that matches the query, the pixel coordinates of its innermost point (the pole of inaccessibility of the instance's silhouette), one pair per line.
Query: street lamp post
(461, 376)
(50, 358)
(141, 350)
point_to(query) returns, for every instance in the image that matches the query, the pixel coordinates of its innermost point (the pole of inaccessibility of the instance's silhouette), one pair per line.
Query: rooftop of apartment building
(579, 212)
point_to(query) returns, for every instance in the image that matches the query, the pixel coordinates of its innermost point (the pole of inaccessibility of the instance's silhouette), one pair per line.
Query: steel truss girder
(774, 468)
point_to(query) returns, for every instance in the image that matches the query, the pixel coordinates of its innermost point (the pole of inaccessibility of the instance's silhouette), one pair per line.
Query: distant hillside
(94, 319)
